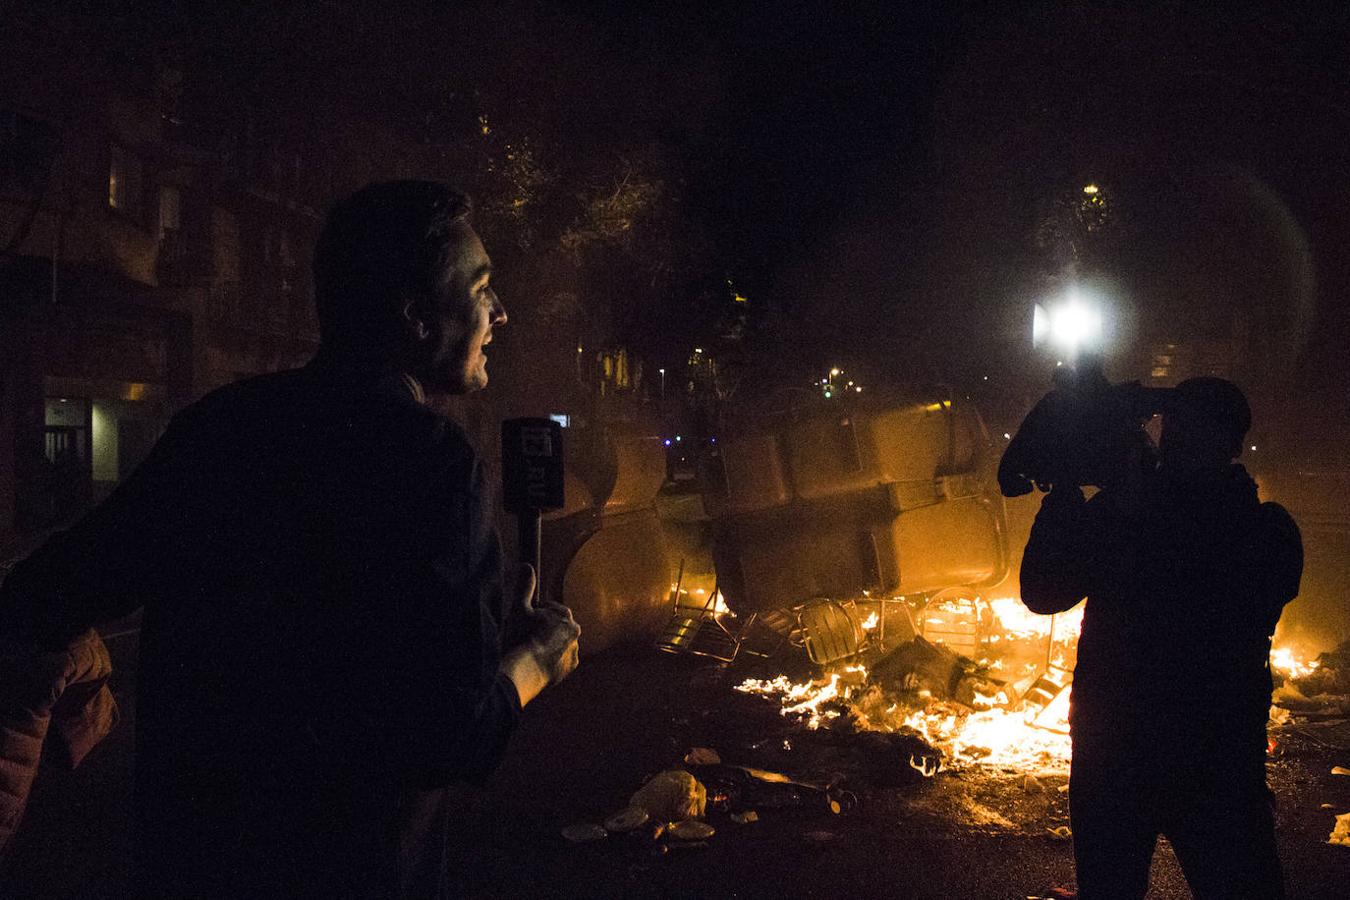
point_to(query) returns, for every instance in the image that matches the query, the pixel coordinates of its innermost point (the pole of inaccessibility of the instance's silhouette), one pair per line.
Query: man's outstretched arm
(122, 552)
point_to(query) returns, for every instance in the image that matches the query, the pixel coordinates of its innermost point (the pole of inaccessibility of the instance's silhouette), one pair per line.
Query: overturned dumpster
(604, 552)
(888, 498)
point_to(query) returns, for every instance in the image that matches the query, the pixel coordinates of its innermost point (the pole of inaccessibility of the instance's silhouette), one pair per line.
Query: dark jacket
(320, 643)
(1183, 593)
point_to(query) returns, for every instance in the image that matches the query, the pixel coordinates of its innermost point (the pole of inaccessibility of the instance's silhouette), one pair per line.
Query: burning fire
(1290, 663)
(1006, 729)
(1000, 728)
(699, 599)
(1032, 740)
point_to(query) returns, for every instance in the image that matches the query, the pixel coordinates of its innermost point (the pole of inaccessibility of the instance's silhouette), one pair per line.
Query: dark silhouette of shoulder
(306, 414)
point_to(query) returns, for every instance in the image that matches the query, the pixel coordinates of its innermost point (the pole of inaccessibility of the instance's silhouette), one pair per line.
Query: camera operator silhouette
(1185, 572)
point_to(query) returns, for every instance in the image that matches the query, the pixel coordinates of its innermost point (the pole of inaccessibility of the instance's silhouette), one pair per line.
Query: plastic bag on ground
(1340, 835)
(671, 796)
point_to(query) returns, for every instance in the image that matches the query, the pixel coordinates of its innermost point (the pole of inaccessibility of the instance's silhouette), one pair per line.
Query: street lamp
(663, 383)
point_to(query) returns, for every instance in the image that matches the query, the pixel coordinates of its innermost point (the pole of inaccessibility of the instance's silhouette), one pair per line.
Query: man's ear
(413, 322)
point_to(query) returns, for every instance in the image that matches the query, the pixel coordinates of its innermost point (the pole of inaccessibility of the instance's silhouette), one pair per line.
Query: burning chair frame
(700, 631)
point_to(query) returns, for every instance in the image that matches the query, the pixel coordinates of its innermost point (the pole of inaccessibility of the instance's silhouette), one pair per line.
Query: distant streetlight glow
(1090, 189)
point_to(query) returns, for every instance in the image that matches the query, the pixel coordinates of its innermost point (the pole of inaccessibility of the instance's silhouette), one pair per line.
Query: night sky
(872, 175)
(879, 167)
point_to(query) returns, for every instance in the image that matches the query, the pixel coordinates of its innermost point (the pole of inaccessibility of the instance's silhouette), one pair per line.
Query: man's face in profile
(461, 321)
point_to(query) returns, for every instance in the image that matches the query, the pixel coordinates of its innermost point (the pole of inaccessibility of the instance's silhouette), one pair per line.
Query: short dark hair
(383, 245)
(1217, 401)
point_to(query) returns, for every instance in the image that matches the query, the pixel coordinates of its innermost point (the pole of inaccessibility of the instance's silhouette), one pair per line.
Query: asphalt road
(586, 746)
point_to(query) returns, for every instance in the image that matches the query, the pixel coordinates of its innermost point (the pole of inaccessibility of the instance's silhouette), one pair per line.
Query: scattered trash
(671, 796)
(1032, 785)
(821, 837)
(691, 830)
(702, 756)
(1061, 833)
(970, 811)
(745, 786)
(766, 776)
(1340, 835)
(1340, 770)
(584, 833)
(687, 845)
(627, 819)
(926, 766)
(928, 669)
(1056, 892)
(1333, 735)
(745, 818)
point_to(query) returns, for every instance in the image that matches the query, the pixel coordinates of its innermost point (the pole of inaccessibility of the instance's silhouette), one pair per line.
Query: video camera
(1081, 433)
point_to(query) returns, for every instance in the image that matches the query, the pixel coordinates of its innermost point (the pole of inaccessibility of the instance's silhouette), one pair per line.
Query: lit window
(124, 180)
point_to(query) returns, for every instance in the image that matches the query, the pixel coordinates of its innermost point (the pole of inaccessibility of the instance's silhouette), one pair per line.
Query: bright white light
(1070, 325)
(1073, 324)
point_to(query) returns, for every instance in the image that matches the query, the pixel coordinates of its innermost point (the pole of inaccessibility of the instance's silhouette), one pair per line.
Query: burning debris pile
(1319, 686)
(981, 681)
(985, 682)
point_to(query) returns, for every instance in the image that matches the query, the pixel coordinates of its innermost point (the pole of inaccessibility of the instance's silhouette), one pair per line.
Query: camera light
(1069, 326)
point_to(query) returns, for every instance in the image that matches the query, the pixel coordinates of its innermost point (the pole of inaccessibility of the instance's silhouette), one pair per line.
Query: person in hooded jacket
(1185, 572)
